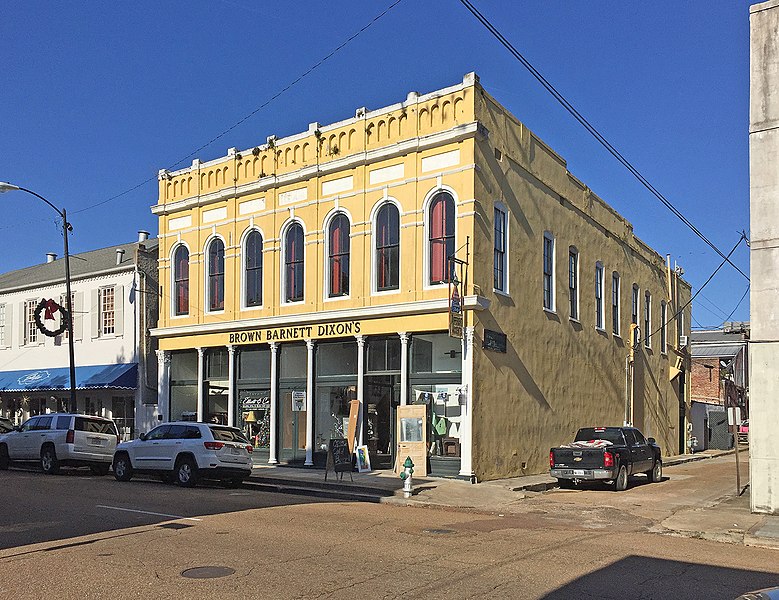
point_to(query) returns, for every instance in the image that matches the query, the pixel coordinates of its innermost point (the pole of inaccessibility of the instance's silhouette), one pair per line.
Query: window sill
(574, 320)
(550, 311)
(501, 293)
(616, 335)
(337, 298)
(600, 329)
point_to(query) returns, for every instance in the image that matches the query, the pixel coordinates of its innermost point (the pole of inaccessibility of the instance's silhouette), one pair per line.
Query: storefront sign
(254, 401)
(455, 314)
(494, 341)
(301, 332)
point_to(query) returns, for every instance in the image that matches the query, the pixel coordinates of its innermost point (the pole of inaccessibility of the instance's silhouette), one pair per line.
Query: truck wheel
(656, 474)
(621, 482)
(49, 462)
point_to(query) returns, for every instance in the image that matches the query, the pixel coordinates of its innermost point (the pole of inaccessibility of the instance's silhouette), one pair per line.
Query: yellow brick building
(316, 269)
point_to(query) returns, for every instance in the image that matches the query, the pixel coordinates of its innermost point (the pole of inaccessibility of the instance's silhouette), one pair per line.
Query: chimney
(51, 257)
(142, 236)
(119, 255)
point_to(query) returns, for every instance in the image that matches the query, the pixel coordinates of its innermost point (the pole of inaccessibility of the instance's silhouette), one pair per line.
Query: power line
(592, 130)
(746, 291)
(252, 113)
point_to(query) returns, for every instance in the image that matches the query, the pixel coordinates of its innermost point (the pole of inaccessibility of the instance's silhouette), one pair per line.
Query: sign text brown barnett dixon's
(298, 332)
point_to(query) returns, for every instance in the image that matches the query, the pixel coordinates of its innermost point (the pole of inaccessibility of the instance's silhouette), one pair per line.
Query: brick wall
(705, 382)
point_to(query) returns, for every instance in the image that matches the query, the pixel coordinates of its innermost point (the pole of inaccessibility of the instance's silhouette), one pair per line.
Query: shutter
(78, 315)
(22, 323)
(94, 311)
(9, 324)
(119, 310)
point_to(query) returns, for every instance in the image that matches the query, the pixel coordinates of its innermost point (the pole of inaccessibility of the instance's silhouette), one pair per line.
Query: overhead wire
(557, 95)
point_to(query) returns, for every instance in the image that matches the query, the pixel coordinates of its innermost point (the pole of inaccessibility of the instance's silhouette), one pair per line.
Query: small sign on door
(298, 401)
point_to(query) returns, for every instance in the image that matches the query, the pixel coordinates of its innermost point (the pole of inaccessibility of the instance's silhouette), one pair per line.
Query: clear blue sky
(98, 96)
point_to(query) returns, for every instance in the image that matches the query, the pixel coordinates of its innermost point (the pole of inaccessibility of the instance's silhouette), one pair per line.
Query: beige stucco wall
(558, 374)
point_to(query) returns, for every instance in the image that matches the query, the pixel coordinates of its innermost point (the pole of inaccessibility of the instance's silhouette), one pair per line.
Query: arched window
(216, 275)
(387, 248)
(441, 240)
(181, 281)
(338, 255)
(293, 263)
(253, 266)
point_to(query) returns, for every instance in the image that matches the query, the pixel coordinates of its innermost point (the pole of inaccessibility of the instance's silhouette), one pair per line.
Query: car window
(610, 434)
(176, 432)
(227, 434)
(94, 425)
(630, 437)
(158, 432)
(192, 433)
(63, 423)
(42, 424)
(29, 424)
(639, 436)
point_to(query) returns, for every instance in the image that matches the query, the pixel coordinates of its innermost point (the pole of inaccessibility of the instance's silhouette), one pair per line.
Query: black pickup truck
(608, 454)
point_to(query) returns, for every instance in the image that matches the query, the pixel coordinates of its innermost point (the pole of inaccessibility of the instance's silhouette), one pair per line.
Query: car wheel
(186, 472)
(5, 461)
(49, 462)
(656, 474)
(100, 469)
(621, 482)
(123, 469)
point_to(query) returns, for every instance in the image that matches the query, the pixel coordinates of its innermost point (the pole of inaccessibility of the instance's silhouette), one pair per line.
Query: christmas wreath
(48, 308)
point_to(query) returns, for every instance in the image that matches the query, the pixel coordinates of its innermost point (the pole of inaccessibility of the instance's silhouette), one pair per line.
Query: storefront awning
(122, 376)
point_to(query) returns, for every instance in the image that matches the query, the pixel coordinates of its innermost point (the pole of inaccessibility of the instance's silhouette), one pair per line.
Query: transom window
(253, 266)
(216, 275)
(181, 281)
(293, 263)
(441, 240)
(107, 313)
(387, 248)
(338, 259)
(499, 251)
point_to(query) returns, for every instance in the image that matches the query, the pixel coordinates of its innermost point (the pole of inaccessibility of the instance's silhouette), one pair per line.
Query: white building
(114, 297)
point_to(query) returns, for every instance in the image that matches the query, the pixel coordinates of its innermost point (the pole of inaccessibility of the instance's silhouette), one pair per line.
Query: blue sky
(98, 96)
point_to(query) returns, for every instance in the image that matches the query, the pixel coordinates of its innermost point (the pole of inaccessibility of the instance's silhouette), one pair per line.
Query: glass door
(382, 395)
(293, 424)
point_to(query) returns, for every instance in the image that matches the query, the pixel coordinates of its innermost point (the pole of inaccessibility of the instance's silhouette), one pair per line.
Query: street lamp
(66, 227)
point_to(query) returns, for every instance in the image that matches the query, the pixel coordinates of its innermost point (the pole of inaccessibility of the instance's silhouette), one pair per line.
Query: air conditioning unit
(683, 341)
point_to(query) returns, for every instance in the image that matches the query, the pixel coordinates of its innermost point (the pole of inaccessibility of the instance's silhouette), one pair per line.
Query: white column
(361, 388)
(231, 385)
(274, 397)
(163, 384)
(404, 337)
(200, 380)
(310, 404)
(466, 419)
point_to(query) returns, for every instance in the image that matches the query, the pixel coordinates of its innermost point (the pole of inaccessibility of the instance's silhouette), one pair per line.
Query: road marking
(146, 512)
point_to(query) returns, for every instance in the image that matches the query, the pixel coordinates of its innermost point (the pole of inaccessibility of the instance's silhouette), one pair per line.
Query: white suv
(184, 451)
(61, 439)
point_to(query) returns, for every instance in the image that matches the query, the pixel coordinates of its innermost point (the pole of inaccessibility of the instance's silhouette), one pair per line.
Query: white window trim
(326, 297)
(242, 262)
(505, 292)
(282, 253)
(3, 328)
(553, 288)
(618, 332)
(426, 285)
(39, 337)
(599, 267)
(100, 333)
(206, 275)
(573, 250)
(172, 293)
(373, 270)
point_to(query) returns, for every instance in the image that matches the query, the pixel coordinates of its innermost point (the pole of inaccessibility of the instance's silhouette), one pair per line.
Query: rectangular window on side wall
(647, 320)
(664, 327)
(573, 282)
(615, 316)
(499, 258)
(2, 325)
(548, 272)
(107, 316)
(599, 295)
(30, 328)
(634, 313)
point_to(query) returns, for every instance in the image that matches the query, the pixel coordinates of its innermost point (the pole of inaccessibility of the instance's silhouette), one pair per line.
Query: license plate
(578, 472)
(95, 442)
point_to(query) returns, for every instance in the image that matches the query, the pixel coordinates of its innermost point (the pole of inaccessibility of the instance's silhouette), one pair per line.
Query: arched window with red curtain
(253, 254)
(387, 248)
(441, 228)
(293, 263)
(338, 242)
(181, 280)
(216, 275)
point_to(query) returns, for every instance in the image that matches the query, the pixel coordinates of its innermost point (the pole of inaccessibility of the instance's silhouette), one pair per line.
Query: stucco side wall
(558, 373)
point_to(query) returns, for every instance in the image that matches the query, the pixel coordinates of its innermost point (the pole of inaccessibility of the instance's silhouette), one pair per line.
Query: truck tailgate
(578, 458)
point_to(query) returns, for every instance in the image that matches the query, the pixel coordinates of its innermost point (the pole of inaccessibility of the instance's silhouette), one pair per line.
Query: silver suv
(184, 452)
(59, 439)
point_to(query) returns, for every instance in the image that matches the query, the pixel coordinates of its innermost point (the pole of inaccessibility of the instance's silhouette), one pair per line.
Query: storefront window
(435, 353)
(336, 386)
(293, 360)
(443, 416)
(253, 413)
(183, 386)
(383, 355)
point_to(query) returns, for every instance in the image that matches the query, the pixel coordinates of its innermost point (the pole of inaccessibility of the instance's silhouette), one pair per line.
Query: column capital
(201, 351)
(274, 346)
(469, 332)
(231, 349)
(404, 337)
(163, 357)
(310, 344)
(360, 340)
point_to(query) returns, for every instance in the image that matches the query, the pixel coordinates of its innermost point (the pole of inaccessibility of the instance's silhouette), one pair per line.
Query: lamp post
(66, 227)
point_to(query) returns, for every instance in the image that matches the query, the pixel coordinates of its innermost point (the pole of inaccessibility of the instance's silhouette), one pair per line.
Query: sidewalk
(728, 521)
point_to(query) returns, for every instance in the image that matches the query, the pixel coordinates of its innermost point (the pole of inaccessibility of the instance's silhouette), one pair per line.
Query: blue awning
(122, 376)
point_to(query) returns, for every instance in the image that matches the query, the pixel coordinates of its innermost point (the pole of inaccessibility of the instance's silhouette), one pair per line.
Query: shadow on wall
(645, 577)
(655, 405)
